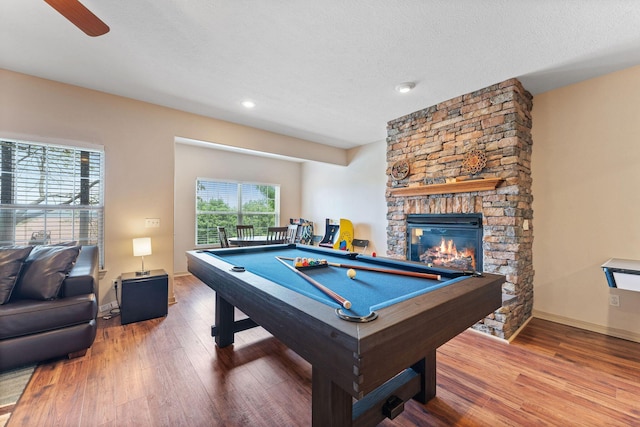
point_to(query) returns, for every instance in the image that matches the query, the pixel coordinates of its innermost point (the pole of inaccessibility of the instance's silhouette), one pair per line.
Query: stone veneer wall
(496, 120)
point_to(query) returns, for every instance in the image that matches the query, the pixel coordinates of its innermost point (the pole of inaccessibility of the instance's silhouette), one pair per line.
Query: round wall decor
(473, 162)
(400, 169)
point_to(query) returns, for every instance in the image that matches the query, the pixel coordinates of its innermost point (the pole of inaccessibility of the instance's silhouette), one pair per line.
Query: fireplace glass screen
(446, 241)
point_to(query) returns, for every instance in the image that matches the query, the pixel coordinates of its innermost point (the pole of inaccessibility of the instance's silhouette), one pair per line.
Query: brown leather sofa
(34, 330)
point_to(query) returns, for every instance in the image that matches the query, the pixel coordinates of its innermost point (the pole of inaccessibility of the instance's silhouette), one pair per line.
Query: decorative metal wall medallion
(400, 169)
(473, 162)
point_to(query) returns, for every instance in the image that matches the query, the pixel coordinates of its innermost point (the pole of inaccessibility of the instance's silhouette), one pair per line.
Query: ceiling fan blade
(80, 16)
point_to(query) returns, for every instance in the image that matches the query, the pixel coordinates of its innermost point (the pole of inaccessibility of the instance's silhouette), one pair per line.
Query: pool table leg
(224, 328)
(427, 370)
(331, 406)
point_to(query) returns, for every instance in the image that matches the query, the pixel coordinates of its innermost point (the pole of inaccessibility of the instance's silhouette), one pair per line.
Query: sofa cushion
(27, 317)
(11, 261)
(44, 270)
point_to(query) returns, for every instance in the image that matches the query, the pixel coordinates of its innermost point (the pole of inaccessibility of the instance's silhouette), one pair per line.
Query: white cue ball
(351, 273)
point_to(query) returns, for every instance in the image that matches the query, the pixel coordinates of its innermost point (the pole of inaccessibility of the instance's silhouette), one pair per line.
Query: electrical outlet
(105, 308)
(614, 300)
(152, 222)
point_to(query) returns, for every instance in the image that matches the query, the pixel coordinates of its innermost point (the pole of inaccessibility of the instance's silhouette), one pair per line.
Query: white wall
(586, 177)
(192, 162)
(355, 192)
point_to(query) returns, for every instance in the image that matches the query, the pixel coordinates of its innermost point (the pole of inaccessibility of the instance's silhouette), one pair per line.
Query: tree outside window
(227, 204)
(50, 194)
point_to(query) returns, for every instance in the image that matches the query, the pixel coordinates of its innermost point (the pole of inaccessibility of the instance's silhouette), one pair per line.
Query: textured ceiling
(319, 70)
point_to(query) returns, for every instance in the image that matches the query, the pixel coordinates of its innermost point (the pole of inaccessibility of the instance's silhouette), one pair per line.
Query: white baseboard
(181, 274)
(614, 332)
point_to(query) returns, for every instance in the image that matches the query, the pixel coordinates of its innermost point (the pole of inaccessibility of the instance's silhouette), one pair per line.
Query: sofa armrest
(83, 277)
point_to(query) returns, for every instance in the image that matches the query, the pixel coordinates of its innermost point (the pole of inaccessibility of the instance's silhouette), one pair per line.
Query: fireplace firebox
(446, 240)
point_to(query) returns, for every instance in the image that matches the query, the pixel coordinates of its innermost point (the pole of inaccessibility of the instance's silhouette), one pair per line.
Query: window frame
(239, 213)
(80, 218)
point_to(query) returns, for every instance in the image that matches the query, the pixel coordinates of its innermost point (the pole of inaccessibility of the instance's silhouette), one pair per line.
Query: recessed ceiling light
(405, 87)
(248, 104)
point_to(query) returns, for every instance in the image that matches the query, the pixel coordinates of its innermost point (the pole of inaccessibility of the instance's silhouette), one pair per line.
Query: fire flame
(449, 248)
(448, 253)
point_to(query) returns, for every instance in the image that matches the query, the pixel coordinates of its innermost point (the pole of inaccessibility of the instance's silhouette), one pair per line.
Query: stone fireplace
(470, 155)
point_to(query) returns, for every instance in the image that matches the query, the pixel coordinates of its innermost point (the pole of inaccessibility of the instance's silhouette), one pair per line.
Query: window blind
(226, 204)
(51, 194)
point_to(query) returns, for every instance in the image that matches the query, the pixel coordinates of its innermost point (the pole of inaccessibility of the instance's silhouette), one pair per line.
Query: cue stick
(340, 300)
(383, 270)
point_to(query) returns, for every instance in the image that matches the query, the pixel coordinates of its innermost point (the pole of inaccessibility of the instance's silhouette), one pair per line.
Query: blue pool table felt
(367, 292)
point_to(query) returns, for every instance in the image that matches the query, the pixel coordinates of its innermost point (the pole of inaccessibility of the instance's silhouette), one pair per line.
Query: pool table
(385, 357)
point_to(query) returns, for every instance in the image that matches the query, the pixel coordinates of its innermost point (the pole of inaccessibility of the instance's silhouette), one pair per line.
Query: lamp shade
(142, 246)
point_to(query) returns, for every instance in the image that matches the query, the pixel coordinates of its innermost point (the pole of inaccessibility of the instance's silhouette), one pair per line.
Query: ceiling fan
(80, 16)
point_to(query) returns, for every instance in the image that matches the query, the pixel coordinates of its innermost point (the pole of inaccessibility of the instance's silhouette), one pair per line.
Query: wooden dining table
(251, 241)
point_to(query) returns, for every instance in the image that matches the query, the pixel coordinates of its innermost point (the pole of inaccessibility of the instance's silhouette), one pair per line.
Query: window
(50, 194)
(226, 204)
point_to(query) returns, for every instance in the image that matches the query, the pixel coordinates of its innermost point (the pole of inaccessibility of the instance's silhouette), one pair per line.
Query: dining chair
(360, 243)
(244, 231)
(222, 234)
(276, 235)
(292, 233)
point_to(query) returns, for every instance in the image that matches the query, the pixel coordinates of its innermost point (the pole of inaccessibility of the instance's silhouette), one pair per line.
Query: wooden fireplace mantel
(449, 187)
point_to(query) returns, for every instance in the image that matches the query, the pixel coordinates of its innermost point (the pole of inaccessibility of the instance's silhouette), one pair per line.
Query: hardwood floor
(168, 372)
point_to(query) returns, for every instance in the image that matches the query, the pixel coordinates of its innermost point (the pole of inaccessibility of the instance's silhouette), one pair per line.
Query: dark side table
(144, 297)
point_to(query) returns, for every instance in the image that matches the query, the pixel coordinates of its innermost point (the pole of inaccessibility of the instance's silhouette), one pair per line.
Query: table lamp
(142, 247)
